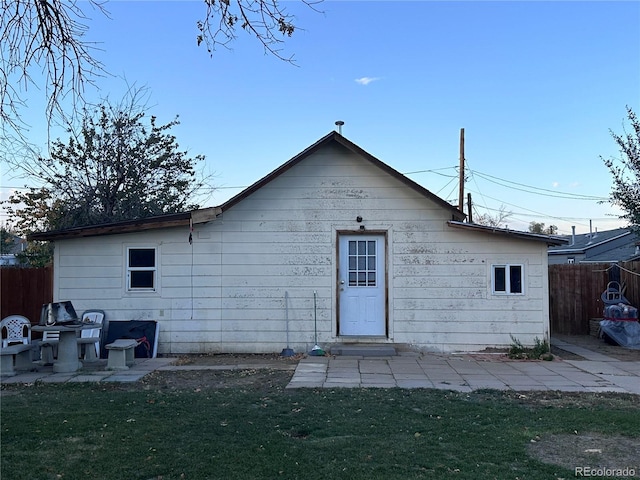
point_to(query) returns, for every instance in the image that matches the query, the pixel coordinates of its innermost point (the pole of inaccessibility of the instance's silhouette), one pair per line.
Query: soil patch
(233, 359)
(257, 380)
(594, 451)
(255, 372)
(564, 355)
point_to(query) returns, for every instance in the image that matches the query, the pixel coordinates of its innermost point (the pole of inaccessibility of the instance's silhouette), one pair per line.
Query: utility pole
(469, 215)
(461, 188)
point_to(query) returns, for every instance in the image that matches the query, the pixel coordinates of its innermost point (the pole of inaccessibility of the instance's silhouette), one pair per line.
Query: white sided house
(333, 247)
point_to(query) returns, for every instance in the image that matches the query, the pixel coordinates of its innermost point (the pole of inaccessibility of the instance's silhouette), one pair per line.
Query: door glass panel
(362, 263)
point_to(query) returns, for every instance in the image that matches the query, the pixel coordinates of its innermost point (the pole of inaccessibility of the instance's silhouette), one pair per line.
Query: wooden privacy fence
(24, 290)
(575, 293)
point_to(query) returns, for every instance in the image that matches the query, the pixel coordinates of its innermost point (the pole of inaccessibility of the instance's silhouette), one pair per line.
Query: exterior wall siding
(250, 275)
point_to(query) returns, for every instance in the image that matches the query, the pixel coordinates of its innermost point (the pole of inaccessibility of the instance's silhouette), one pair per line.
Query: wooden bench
(121, 354)
(15, 357)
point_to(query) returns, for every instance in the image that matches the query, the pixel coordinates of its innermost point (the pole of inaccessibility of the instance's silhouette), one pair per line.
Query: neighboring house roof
(601, 247)
(13, 245)
(505, 232)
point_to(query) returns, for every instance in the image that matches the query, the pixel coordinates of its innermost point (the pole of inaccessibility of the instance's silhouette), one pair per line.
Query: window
(507, 279)
(571, 260)
(141, 269)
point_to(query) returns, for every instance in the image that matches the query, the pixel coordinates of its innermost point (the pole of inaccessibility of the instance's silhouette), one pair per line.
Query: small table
(67, 360)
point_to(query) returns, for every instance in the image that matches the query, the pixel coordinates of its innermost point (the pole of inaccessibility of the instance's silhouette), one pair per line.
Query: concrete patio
(464, 373)
(595, 372)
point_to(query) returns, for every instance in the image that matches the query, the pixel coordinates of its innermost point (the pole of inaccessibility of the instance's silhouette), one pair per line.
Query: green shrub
(540, 350)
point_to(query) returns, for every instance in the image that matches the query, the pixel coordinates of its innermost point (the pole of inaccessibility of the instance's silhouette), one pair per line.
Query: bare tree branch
(48, 34)
(266, 20)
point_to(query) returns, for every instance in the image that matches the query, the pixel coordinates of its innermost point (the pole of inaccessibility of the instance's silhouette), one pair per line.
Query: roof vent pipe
(340, 123)
(573, 235)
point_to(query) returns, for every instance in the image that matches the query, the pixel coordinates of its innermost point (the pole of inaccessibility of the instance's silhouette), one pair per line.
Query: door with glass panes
(361, 285)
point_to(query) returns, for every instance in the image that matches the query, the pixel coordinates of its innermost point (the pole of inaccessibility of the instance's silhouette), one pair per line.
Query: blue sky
(536, 85)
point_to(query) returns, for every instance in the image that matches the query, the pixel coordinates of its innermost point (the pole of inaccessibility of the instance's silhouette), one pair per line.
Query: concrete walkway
(93, 372)
(465, 373)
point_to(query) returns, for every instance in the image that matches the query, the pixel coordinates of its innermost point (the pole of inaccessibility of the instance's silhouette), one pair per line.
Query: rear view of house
(334, 245)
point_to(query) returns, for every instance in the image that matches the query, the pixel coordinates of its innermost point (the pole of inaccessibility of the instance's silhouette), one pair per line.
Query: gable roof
(504, 232)
(352, 147)
(185, 218)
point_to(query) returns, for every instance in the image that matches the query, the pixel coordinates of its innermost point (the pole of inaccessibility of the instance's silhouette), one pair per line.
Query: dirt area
(267, 359)
(251, 372)
(595, 345)
(259, 380)
(589, 450)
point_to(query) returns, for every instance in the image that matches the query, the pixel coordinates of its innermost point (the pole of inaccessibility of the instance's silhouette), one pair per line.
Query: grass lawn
(104, 431)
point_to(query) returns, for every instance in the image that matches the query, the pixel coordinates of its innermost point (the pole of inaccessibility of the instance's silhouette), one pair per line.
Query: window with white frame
(141, 269)
(507, 279)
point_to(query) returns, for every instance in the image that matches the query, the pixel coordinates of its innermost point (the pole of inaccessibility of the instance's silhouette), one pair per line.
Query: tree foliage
(120, 165)
(625, 192)
(539, 227)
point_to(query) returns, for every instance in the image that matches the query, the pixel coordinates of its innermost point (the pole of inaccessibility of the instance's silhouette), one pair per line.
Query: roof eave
(142, 224)
(549, 240)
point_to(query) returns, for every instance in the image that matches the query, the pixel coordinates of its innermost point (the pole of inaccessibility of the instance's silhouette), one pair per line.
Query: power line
(550, 193)
(436, 171)
(545, 215)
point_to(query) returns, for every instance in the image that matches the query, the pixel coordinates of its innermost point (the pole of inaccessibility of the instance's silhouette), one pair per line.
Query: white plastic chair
(18, 330)
(91, 336)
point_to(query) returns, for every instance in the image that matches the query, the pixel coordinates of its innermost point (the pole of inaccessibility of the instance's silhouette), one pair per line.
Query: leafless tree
(266, 20)
(496, 220)
(48, 37)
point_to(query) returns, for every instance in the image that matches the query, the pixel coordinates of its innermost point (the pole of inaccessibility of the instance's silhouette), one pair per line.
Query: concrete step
(355, 350)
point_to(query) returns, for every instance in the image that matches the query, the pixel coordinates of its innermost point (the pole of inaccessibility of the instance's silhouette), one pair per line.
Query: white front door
(361, 284)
